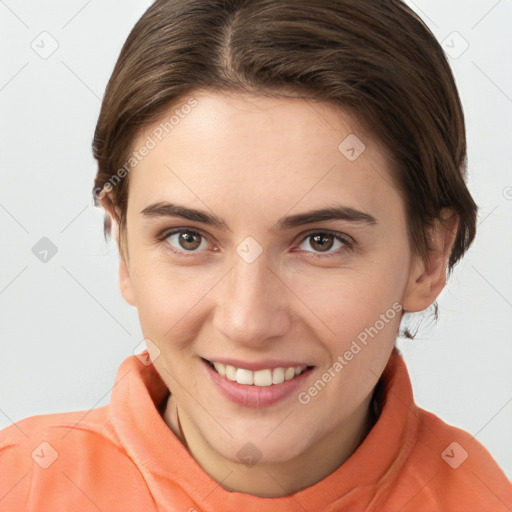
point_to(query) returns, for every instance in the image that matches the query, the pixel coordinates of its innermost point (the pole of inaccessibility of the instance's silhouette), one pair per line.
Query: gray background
(64, 326)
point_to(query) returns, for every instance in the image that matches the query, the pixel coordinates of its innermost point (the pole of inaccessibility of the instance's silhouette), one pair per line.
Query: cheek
(354, 302)
(170, 300)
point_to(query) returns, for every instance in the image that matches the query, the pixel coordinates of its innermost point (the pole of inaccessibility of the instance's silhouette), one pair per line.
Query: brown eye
(324, 241)
(185, 241)
(189, 241)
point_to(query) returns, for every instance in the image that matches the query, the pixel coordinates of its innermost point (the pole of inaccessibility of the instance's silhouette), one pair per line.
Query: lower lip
(255, 396)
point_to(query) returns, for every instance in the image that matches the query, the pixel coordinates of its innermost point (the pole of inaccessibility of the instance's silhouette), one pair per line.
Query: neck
(276, 479)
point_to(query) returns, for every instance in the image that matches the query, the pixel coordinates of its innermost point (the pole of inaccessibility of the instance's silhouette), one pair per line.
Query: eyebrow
(338, 212)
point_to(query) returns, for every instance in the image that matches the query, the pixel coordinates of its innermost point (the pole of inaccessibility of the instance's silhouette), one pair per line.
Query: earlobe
(427, 279)
(425, 284)
(125, 283)
(124, 274)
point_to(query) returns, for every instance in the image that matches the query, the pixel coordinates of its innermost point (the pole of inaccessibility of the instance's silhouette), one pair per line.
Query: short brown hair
(373, 57)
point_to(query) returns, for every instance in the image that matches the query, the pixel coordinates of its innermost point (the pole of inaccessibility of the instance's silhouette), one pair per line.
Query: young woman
(284, 179)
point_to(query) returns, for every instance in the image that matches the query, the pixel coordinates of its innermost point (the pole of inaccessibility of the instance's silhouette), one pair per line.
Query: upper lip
(259, 365)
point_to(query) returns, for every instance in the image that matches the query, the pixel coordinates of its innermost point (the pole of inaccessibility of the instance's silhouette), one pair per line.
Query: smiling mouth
(263, 378)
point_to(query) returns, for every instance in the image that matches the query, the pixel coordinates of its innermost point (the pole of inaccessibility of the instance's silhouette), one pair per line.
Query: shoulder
(57, 430)
(49, 457)
(449, 470)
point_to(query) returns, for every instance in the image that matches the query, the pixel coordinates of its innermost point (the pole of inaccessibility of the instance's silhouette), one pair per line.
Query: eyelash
(348, 242)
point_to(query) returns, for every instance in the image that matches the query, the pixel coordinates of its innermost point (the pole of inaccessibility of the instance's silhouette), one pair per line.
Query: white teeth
(221, 368)
(261, 378)
(289, 373)
(277, 375)
(244, 376)
(230, 372)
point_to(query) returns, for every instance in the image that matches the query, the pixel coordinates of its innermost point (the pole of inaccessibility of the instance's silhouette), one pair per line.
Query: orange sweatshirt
(123, 457)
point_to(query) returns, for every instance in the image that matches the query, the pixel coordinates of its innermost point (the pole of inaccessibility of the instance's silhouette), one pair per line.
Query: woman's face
(257, 280)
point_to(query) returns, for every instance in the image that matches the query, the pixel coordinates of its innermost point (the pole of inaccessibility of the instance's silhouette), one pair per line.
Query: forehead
(247, 150)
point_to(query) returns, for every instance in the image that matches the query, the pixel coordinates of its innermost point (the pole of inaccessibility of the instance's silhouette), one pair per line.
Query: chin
(250, 450)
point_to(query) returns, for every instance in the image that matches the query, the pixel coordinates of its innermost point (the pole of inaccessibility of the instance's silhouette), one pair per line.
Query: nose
(252, 304)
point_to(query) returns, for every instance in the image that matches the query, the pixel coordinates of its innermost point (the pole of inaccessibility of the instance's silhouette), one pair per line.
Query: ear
(427, 279)
(125, 284)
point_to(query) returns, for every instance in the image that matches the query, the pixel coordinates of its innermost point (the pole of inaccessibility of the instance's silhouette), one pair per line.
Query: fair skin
(251, 160)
